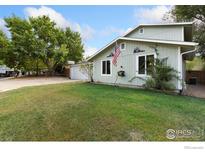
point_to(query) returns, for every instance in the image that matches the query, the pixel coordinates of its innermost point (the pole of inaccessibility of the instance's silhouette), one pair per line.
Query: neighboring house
(172, 41)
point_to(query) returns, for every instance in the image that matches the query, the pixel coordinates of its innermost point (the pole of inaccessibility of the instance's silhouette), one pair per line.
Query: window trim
(102, 67)
(142, 32)
(137, 62)
(124, 46)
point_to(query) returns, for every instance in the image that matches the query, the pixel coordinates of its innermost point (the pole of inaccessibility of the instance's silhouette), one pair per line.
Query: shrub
(161, 76)
(150, 83)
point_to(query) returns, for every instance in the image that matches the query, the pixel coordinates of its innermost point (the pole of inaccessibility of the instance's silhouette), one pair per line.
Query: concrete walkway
(11, 83)
(195, 90)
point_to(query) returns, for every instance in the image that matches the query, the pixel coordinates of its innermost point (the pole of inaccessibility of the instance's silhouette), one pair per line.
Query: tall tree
(38, 42)
(193, 13)
(4, 43)
(74, 43)
(21, 46)
(57, 46)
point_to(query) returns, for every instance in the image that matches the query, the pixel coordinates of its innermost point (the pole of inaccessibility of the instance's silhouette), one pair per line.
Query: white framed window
(106, 69)
(122, 46)
(141, 30)
(144, 64)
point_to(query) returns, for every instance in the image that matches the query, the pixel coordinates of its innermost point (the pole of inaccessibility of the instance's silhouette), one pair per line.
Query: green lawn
(87, 112)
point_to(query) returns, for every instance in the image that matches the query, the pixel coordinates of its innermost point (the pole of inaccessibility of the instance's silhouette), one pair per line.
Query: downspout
(188, 52)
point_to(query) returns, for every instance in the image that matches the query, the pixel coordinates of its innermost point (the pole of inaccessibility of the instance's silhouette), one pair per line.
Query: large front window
(145, 64)
(106, 67)
(141, 65)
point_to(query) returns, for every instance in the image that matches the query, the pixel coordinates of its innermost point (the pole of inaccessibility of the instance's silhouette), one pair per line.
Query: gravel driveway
(11, 83)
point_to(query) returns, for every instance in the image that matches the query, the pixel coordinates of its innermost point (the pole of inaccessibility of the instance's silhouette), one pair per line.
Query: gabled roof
(181, 43)
(161, 24)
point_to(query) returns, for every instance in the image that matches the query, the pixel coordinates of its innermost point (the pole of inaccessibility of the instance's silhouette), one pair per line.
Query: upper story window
(141, 31)
(122, 46)
(106, 67)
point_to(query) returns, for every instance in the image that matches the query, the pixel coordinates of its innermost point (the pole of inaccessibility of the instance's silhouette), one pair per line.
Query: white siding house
(172, 41)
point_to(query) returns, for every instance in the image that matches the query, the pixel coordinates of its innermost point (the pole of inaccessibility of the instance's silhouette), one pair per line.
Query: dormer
(168, 31)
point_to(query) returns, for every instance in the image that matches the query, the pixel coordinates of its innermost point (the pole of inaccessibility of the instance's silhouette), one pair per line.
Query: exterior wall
(77, 74)
(160, 32)
(127, 60)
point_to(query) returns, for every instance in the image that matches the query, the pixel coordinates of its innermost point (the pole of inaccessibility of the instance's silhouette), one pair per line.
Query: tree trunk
(92, 79)
(37, 68)
(50, 70)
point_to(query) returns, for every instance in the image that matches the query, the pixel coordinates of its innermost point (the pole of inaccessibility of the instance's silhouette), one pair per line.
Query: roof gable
(154, 25)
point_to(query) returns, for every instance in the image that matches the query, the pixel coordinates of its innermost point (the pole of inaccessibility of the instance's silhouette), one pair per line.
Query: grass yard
(87, 112)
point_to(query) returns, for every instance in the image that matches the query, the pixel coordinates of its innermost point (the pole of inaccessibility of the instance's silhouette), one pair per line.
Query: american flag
(116, 54)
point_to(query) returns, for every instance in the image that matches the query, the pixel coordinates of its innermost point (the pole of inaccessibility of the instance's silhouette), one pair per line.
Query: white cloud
(151, 15)
(85, 30)
(55, 16)
(89, 51)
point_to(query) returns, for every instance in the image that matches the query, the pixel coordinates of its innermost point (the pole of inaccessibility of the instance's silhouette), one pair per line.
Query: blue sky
(98, 25)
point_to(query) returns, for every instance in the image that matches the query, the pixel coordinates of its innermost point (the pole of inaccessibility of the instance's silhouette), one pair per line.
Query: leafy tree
(189, 12)
(20, 47)
(4, 43)
(56, 45)
(44, 30)
(37, 43)
(74, 43)
(193, 13)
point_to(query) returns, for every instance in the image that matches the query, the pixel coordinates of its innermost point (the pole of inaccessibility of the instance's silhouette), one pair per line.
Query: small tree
(87, 68)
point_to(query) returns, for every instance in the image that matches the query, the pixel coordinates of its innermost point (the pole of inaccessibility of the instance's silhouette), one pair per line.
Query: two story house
(172, 41)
